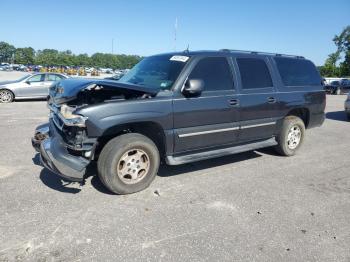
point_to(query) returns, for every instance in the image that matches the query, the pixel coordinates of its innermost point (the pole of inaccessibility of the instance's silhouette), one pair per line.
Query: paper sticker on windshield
(179, 58)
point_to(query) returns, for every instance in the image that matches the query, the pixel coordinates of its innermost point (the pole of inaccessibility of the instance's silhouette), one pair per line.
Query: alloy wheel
(133, 166)
(294, 137)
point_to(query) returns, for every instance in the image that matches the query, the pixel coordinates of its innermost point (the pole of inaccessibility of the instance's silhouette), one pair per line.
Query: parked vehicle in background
(20, 68)
(31, 86)
(115, 77)
(106, 70)
(89, 69)
(328, 80)
(180, 107)
(347, 106)
(338, 87)
(5, 67)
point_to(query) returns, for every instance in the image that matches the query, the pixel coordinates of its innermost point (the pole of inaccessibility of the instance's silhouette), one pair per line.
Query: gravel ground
(254, 206)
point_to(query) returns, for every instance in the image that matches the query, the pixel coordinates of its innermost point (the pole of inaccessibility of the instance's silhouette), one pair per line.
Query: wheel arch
(150, 129)
(303, 113)
(13, 93)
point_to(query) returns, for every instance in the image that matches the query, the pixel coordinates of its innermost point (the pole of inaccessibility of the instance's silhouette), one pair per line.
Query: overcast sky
(147, 27)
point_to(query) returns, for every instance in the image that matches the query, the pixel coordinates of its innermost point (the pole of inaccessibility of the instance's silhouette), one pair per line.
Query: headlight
(67, 112)
(71, 119)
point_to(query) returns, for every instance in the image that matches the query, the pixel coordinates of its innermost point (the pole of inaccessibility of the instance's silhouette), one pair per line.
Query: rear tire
(6, 96)
(291, 136)
(128, 163)
(348, 116)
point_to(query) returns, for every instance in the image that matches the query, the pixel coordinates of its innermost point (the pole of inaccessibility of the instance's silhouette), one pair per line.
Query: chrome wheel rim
(133, 166)
(294, 137)
(5, 96)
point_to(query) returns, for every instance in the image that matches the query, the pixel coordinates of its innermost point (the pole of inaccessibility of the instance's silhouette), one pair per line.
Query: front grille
(57, 121)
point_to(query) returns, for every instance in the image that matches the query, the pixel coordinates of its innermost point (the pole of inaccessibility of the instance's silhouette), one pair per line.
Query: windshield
(156, 71)
(22, 78)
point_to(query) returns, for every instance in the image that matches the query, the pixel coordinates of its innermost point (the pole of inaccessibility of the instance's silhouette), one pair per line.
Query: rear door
(211, 119)
(257, 98)
(49, 80)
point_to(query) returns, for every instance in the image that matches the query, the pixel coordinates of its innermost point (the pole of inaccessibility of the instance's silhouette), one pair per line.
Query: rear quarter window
(297, 72)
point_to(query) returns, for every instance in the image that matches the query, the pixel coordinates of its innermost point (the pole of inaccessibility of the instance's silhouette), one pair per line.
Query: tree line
(52, 57)
(338, 63)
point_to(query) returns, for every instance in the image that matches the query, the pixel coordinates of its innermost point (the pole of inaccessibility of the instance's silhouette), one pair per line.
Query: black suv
(179, 107)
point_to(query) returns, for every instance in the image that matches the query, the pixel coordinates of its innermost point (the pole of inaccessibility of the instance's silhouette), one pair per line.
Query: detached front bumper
(40, 134)
(55, 156)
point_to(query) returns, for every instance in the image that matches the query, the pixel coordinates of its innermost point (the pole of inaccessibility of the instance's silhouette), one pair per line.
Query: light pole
(112, 45)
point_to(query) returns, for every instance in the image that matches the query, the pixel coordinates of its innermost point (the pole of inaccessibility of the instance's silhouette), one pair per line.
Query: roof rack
(258, 53)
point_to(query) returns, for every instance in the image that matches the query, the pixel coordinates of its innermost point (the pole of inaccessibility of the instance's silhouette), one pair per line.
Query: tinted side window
(36, 78)
(297, 72)
(51, 77)
(215, 72)
(254, 73)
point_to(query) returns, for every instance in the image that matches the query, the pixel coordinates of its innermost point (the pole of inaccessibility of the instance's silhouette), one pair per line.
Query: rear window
(254, 73)
(298, 72)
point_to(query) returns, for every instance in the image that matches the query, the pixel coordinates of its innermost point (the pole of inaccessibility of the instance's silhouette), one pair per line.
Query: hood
(2, 83)
(68, 89)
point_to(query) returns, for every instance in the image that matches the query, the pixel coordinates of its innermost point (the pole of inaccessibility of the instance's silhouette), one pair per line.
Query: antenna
(175, 32)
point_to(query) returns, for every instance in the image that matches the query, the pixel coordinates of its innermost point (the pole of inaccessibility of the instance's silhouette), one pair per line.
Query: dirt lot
(254, 206)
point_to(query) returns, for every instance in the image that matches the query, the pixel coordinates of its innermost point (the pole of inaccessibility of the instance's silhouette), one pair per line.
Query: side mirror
(193, 87)
(28, 82)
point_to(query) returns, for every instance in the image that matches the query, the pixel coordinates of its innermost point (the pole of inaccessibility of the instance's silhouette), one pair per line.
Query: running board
(178, 160)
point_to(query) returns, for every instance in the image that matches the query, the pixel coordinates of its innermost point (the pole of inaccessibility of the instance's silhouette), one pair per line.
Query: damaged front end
(64, 143)
(64, 146)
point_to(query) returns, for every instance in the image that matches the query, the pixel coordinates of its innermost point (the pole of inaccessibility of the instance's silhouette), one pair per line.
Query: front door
(34, 86)
(257, 99)
(211, 119)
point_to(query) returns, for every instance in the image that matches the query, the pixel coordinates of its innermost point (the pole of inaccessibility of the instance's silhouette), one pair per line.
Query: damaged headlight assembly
(71, 119)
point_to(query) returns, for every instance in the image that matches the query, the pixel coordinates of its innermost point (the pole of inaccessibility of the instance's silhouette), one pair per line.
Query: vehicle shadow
(54, 181)
(30, 100)
(58, 183)
(36, 160)
(337, 115)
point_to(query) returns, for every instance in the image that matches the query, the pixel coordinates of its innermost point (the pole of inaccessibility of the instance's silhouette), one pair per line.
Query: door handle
(234, 102)
(271, 100)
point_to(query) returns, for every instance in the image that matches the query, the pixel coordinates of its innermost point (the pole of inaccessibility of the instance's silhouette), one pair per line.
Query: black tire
(111, 157)
(348, 116)
(9, 96)
(283, 146)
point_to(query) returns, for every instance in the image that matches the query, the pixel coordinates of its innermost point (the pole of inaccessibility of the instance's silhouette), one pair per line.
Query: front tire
(291, 136)
(6, 96)
(128, 163)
